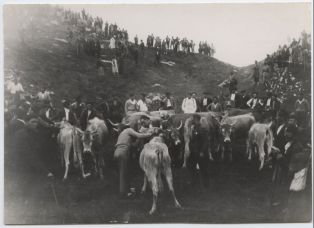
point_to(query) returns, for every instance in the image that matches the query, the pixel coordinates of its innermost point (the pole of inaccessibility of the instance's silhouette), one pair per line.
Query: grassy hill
(43, 61)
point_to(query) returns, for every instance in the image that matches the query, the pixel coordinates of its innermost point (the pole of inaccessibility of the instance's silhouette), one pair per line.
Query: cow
(94, 141)
(155, 161)
(234, 128)
(260, 136)
(69, 138)
(207, 122)
(198, 133)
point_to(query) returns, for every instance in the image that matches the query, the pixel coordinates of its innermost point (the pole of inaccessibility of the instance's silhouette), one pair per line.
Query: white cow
(69, 138)
(260, 135)
(155, 161)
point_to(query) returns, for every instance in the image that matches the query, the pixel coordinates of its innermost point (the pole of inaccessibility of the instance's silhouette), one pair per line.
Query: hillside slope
(43, 61)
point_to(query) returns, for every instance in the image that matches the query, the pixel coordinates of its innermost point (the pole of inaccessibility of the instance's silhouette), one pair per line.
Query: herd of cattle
(182, 140)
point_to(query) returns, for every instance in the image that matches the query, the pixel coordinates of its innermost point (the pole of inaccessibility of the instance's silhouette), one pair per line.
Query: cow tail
(159, 170)
(269, 141)
(75, 149)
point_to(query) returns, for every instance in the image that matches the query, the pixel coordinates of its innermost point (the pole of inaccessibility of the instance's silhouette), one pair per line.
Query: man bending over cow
(122, 155)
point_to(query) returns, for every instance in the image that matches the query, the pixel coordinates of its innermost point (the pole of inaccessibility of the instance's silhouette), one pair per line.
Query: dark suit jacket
(72, 117)
(84, 118)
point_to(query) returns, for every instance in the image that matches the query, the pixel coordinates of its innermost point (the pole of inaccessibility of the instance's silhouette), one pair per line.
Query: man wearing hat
(87, 114)
(168, 102)
(67, 114)
(122, 155)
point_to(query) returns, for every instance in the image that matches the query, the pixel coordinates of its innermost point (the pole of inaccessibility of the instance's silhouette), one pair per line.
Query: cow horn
(113, 124)
(178, 128)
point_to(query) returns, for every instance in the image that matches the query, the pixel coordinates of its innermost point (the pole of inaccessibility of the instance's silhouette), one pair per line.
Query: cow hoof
(64, 179)
(178, 205)
(143, 192)
(152, 211)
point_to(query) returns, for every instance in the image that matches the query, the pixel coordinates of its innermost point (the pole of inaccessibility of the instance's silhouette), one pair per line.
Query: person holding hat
(87, 114)
(168, 102)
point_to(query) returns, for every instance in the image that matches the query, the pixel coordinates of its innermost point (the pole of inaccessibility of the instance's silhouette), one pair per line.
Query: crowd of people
(111, 44)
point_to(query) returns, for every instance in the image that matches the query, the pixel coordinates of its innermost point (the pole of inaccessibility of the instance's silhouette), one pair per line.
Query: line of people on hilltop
(279, 74)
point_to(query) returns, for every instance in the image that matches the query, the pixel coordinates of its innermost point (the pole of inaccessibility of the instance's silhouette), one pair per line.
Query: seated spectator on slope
(302, 108)
(141, 103)
(215, 106)
(189, 104)
(130, 105)
(169, 102)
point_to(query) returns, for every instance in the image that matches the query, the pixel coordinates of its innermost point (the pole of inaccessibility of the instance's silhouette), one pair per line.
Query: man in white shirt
(141, 103)
(189, 104)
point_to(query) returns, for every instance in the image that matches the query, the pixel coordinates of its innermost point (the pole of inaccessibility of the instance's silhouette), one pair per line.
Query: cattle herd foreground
(159, 142)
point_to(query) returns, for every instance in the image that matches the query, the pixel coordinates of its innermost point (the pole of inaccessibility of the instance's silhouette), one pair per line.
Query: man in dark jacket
(87, 114)
(67, 114)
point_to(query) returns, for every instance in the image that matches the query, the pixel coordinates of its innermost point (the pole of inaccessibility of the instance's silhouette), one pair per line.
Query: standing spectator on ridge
(189, 104)
(157, 56)
(136, 40)
(142, 46)
(232, 82)
(256, 73)
(130, 105)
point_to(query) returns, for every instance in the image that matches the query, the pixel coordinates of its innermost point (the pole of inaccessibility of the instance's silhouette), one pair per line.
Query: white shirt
(252, 102)
(112, 44)
(268, 102)
(66, 110)
(169, 103)
(142, 106)
(189, 105)
(13, 88)
(232, 98)
(205, 102)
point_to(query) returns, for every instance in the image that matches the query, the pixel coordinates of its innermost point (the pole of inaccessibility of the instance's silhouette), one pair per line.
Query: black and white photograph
(157, 113)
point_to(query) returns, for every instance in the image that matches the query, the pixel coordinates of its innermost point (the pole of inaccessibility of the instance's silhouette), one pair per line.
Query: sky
(240, 33)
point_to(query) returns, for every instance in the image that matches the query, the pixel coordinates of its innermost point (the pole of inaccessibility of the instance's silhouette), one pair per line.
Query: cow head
(87, 139)
(172, 132)
(226, 132)
(118, 127)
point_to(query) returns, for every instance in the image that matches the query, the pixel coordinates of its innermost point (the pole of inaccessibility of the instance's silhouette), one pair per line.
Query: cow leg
(187, 153)
(249, 149)
(95, 163)
(261, 156)
(144, 184)
(101, 165)
(67, 160)
(168, 175)
(223, 153)
(154, 186)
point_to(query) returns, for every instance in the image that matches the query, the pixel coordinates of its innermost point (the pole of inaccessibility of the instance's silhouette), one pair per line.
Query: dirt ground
(237, 194)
